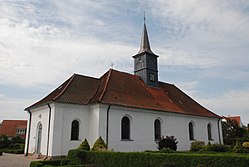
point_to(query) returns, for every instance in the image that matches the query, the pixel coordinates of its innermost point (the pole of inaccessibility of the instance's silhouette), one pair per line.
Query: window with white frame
(75, 130)
(157, 129)
(191, 131)
(209, 130)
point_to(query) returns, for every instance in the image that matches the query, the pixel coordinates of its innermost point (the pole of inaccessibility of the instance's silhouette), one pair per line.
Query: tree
(232, 131)
(17, 139)
(4, 141)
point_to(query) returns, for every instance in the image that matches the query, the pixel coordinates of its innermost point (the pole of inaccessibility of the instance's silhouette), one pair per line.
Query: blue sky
(203, 47)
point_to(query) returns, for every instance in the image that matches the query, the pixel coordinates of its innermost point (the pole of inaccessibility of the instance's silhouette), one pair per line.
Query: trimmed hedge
(144, 159)
(12, 150)
(65, 166)
(43, 163)
(84, 145)
(73, 156)
(99, 145)
(197, 145)
(36, 164)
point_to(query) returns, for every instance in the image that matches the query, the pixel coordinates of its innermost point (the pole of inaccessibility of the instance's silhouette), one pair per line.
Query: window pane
(75, 130)
(157, 129)
(209, 132)
(191, 131)
(125, 128)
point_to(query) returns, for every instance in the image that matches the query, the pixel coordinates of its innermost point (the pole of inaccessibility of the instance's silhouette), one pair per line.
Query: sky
(203, 47)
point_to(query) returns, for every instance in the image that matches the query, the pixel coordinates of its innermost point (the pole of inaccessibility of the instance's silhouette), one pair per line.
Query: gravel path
(15, 160)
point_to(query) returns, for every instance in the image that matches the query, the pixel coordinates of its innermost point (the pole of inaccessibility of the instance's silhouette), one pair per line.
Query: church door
(38, 139)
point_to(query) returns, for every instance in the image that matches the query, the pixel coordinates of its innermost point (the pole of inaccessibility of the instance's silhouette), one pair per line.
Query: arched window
(75, 130)
(209, 130)
(157, 129)
(125, 128)
(191, 131)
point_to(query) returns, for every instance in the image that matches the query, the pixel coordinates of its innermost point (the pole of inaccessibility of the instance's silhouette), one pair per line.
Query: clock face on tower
(139, 63)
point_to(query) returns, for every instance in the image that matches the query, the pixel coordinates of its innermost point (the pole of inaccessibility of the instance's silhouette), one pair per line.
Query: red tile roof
(236, 118)
(123, 89)
(9, 127)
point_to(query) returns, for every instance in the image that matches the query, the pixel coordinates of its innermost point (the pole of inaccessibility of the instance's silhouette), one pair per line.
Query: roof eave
(160, 110)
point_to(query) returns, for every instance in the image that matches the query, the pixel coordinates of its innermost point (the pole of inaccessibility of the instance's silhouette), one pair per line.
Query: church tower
(145, 61)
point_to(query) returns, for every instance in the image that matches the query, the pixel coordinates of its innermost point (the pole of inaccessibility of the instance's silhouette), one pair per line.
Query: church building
(129, 111)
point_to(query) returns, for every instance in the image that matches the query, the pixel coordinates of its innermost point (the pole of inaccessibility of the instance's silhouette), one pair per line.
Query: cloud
(12, 108)
(214, 30)
(191, 59)
(200, 43)
(37, 54)
(233, 102)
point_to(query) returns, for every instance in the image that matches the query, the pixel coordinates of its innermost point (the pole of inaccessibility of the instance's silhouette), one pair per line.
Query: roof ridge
(105, 87)
(83, 75)
(96, 91)
(65, 88)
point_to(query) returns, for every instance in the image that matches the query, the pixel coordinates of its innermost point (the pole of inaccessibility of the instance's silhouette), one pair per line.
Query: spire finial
(144, 18)
(145, 44)
(112, 65)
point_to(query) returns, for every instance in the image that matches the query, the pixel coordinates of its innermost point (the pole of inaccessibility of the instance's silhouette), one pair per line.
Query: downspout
(219, 129)
(49, 118)
(107, 124)
(28, 137)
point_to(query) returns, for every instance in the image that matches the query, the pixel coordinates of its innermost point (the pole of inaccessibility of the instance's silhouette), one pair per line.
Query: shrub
(17, 139)
(99, 145)
(36, 164)
(82, 156)
(11, 145)
(16, 145)
(238, 148)
(74, 156)
(12, 150)
(22, 146)
(45, 163)
(246, 145)
(18, 151)
(84, 145)
(142, 159)
(166, 150)
(64, 162)
(217, 147)
(167, 142)
(65, 166)
(4, 141)
(197, 145)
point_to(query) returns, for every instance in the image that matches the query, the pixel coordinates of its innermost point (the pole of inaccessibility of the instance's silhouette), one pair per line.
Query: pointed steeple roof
(145, 43)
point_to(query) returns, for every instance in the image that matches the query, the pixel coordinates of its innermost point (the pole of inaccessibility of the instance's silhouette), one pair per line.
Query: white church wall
(103, 121)
(142, 129)
(93, 121)
(93, 124)
(63, 118)
(26, 139)
(39, 115)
